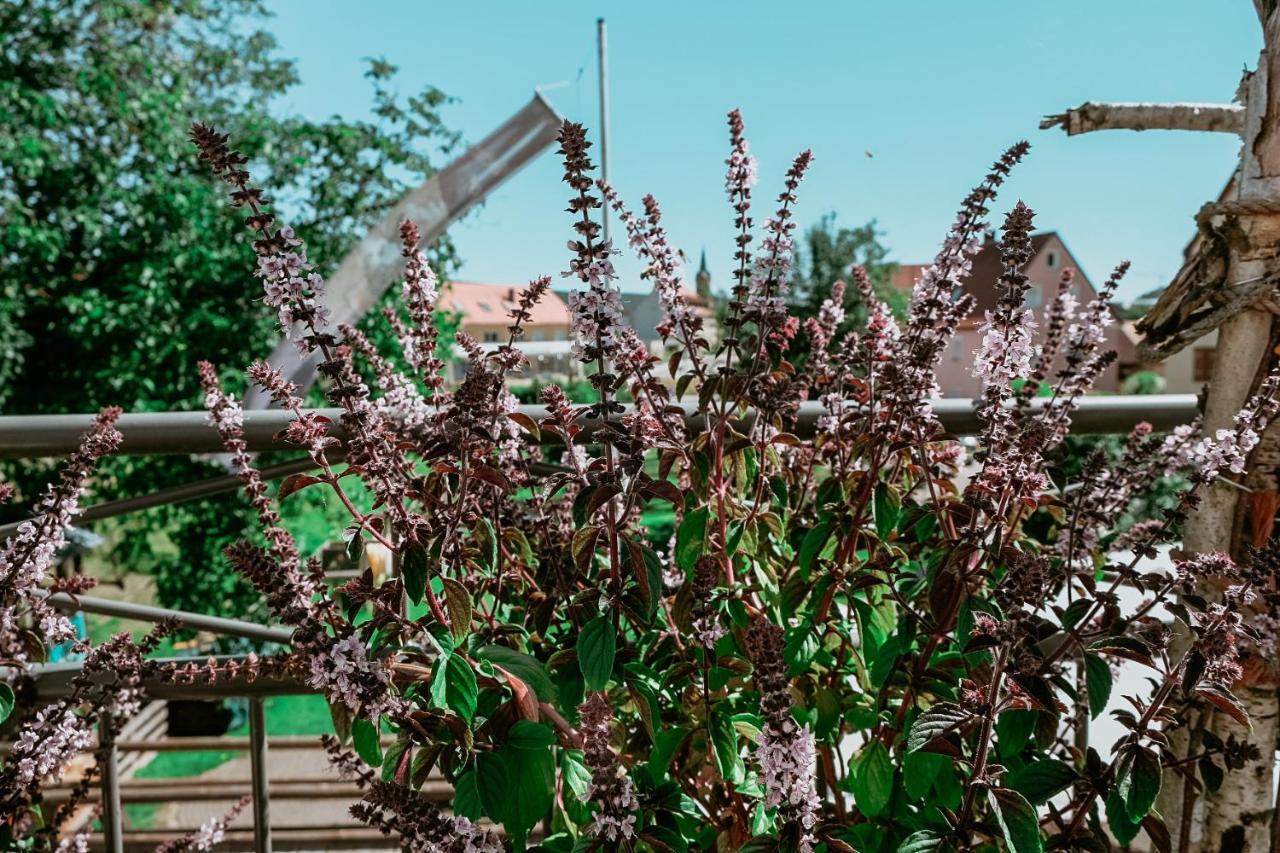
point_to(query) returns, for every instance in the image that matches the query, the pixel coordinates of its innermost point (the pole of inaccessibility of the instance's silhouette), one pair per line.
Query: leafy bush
(848, 645)
(120, 271)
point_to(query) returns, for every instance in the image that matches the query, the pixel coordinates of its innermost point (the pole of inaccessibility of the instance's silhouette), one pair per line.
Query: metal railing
(34, 436)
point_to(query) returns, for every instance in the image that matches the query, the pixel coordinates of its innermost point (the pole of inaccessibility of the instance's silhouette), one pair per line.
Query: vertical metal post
(112, 819)
(258, 774)
(603, 47)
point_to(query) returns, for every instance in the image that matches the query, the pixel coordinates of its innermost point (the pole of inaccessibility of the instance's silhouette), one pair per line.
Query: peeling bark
(1239, 815)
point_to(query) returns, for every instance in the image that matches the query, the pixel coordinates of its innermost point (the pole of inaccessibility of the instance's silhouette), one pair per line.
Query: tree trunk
(1238, 816)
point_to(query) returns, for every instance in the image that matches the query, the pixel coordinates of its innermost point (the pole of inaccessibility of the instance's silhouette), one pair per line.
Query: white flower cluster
(225, 413)
(787, 759)
(292, 288)
(54, 736)
(1006, 351)
(78, 843)
(473, 839)
(743, 170)
(770, 283)
(1228, 449)
(342, 670)
(596, 318)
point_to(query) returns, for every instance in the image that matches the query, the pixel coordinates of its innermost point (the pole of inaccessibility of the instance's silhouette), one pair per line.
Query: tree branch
(1088, 117)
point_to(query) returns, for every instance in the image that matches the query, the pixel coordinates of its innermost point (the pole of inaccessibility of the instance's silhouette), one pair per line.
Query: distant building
(486, 315)
(1190, 368)
(1049, 258)
(644, 310)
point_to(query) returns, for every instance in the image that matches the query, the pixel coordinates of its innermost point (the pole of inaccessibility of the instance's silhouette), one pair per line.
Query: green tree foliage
(119, 266)
(827, 253)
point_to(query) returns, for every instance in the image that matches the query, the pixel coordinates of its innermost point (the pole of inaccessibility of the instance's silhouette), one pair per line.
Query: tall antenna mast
(603, 48)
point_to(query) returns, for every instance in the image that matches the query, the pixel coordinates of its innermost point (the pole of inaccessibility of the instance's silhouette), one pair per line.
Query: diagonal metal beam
(368, 269)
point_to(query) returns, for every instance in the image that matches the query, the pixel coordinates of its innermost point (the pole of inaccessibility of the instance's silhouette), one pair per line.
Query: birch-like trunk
(1238, 816)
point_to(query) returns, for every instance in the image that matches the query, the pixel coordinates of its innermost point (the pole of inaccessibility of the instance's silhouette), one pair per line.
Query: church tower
(704, 279)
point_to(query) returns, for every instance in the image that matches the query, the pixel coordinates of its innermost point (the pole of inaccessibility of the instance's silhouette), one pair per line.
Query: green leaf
(1017, 820)
(1210, 773)
(923, 841)
(491, 784)
(466, 796)
(530, 789)
(395, 753)
(724, 743)
(1097, 675)
(341, 716)
(940, 719)
(460, 691)
(1118, 822)
(457, 602)
(6, 701)
(364, 735)
(526, 734)
(873, 779)
(691, 538)
(1139, 783)
(596, 649)
(919, 769)
(525, 667)
(1042, 779)
(887, 509)
(1013, 730)
(413, 567)
(575, 774)
(812, 544)
(487, 543)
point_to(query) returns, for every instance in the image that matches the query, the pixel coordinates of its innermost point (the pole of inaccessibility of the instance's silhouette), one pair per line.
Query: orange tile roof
(492, 303)
(905, 275)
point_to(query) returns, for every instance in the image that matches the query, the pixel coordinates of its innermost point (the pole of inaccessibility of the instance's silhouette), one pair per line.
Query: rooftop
(492, 303)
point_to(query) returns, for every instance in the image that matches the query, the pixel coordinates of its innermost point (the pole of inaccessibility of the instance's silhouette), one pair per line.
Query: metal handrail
(147, 433)
(148, 613)
(53, 681)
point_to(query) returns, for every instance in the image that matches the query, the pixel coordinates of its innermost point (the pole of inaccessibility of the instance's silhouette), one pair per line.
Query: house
(485, 311)
(1186, 370)
(644, 310)
(1049, 258)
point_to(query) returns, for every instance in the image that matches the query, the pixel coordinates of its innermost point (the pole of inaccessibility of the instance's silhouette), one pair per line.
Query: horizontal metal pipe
(53, 681)
(207, 487)
(32, 436)
(147, 613)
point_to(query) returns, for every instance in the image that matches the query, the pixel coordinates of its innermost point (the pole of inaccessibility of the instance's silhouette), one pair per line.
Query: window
(490, 337)
(484, 306)
(1035, 297)
(1052, 260)
(1202, 367)
(957, 348)
(535, 335)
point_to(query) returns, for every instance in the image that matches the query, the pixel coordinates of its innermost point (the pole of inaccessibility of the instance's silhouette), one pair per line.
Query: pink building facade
(1050, 257)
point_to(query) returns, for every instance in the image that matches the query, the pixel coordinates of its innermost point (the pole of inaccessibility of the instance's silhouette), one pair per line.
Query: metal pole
(258, 776)
(178, 494)
(147, 613)
(32, 436)
(112, 821)
(602, 45)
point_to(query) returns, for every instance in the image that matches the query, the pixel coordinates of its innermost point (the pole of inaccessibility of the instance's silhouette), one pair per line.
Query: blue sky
(933, 91)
